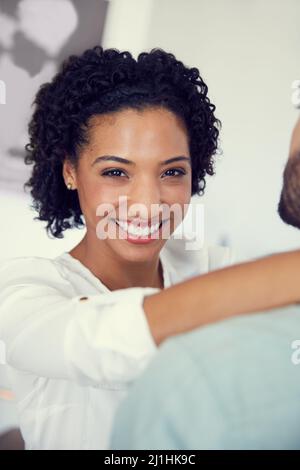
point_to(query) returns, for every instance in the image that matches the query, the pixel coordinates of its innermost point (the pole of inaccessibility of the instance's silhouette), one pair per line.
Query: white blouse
(71, 360)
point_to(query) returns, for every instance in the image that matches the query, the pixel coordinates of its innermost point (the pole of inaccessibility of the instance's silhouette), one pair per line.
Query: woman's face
(146, 139)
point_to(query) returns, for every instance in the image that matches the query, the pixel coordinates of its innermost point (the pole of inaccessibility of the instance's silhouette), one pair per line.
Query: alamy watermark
(2, 92)
(295, 358)
(2, 353)
(296, 93)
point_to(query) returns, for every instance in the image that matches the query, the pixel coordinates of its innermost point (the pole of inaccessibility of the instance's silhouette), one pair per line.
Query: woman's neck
(118, 274)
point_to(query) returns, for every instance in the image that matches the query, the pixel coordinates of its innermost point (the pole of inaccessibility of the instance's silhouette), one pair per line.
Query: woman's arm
(257, 285)
(50, 331)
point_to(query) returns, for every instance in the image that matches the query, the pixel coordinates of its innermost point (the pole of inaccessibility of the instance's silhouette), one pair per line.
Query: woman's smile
(136, 233)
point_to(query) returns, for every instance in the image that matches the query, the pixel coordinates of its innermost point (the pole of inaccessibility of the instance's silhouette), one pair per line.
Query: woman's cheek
(105, 201)
(178, 195)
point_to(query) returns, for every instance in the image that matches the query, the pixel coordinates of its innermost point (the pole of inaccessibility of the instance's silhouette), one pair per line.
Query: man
(230, 385)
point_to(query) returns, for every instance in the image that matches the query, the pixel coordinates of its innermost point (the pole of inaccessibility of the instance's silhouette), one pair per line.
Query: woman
(80, 328)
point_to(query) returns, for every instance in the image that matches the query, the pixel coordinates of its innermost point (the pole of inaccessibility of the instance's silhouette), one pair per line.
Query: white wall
(22, 236)
(249, 55)
(127, 24)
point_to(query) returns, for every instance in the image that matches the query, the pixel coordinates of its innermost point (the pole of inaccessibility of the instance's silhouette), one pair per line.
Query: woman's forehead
(132, 116)
(135, 128)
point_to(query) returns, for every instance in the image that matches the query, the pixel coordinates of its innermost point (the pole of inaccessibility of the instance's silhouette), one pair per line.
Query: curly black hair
(105, 81)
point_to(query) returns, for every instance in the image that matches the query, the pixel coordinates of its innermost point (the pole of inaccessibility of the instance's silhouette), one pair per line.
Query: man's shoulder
(236, 353)
(240, 338)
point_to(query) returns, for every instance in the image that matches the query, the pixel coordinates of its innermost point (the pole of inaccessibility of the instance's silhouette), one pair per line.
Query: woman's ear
(69, 174)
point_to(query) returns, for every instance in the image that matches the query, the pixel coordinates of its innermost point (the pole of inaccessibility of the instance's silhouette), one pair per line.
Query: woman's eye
(180, 172)
(115, 172)
(111, 173)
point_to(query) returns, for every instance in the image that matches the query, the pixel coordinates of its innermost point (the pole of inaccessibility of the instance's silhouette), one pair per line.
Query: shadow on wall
(30, 52)
(35, 37)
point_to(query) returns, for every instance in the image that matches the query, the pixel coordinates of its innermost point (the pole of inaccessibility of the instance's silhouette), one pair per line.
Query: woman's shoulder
(19, 264)
(30, 270)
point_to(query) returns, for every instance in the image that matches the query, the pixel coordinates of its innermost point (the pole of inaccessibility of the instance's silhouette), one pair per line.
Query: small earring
(69, 185)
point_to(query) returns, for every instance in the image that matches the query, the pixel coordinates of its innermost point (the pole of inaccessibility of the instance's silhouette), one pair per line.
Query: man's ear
(295, 140)
(69, 174)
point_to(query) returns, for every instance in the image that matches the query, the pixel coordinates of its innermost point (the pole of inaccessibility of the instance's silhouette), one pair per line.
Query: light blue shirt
(229, 385)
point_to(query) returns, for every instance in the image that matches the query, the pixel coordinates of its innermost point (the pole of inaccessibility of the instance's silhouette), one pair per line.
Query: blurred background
(248, 53)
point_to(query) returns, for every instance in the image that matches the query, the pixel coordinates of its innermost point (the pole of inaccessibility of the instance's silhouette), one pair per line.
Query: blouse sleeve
(98, 340)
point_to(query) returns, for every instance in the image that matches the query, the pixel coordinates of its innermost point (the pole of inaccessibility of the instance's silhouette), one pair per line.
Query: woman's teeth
(138, 231)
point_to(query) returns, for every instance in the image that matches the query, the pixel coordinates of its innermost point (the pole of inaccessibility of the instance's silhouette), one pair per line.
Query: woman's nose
(146, 198)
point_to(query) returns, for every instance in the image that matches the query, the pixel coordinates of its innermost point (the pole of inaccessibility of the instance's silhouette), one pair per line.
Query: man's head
(289, 204)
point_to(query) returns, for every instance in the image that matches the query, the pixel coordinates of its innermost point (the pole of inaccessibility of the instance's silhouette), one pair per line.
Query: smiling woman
(110, 126)
(107, 129)
(80, 328)
(77, 115)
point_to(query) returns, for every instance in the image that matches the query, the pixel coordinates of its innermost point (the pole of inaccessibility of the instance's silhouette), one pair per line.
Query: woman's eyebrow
(114, 158)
